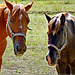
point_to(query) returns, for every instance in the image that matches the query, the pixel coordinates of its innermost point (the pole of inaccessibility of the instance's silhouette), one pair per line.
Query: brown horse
(61, 42)
(14, 23)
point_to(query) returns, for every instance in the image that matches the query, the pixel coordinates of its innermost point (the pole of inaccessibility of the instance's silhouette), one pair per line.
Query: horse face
(17, 25)
(56, 37)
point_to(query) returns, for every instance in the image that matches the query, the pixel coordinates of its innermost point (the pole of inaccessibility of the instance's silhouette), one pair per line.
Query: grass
(51, 7)
(33, 61)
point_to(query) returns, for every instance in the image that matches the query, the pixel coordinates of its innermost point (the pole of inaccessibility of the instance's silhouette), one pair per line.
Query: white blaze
(20, 21)
(21, 27)
(54, 33)
(21, 16)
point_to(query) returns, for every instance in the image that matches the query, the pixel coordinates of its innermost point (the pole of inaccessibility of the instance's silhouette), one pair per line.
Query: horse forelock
(18, 7)
(19, 10)
(15, 6)
(70, 17)
(54, 24)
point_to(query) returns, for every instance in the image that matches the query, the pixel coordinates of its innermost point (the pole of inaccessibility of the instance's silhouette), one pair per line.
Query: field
(33, 61)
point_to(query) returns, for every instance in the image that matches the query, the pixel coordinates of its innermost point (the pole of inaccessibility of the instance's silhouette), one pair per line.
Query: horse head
(57, 37)
(17, 24)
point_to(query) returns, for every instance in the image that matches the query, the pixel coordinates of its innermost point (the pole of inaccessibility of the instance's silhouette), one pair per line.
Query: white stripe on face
(20, 21)
(21, 27)
(54, 33)
(21, 16)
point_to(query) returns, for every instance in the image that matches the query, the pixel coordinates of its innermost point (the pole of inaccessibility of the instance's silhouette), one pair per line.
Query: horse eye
(11, 20)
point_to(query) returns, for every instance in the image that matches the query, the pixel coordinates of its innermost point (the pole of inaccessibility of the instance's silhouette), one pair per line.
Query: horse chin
(52, 64)
(19, 55)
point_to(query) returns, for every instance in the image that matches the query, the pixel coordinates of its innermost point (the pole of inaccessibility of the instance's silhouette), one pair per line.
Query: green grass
(33, 61)
(51, 7)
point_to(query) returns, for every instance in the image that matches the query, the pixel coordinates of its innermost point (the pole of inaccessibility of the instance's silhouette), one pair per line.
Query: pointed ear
(9, 5)
(28, 6)
(47, 17)
(62, 19)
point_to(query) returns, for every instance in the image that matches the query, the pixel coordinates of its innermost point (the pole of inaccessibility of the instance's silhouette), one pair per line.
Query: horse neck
(3, 21)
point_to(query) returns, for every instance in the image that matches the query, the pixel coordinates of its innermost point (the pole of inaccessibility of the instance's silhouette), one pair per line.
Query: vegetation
(33, 61)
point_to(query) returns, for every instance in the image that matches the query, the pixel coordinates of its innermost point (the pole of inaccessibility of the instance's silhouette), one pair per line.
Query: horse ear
(28, 6)
(47, 17)
(62, 19)
(9, 5)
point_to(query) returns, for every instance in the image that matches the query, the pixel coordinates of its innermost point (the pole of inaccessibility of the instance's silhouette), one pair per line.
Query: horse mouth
(49, 61)
(18, 53)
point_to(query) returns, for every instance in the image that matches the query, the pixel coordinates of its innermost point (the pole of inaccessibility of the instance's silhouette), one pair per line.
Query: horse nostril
(46, 58)
(17, 47)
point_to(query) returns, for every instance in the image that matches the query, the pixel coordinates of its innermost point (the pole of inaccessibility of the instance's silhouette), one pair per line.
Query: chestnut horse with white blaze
(61, 43)
(13, 23)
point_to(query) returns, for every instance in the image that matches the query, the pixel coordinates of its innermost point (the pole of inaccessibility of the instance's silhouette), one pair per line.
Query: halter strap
(12, 33)
(58, 50)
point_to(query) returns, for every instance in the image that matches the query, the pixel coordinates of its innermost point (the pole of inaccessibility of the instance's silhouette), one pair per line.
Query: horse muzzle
(49, 61)
(52, 55)
(19, 50)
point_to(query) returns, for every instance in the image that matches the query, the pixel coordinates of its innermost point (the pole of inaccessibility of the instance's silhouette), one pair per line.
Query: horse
(13, 23)
(61, 42)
